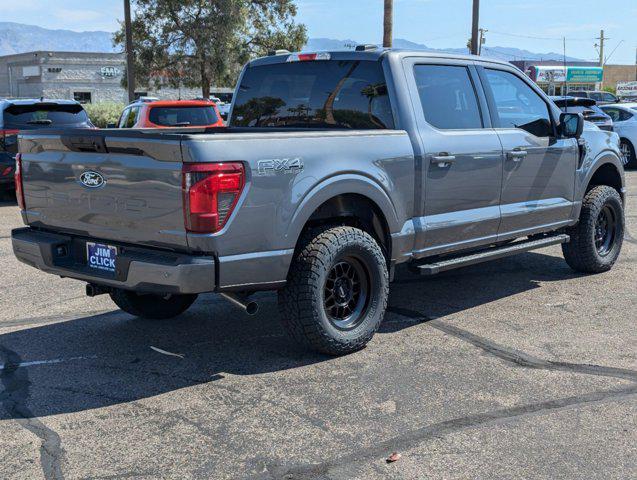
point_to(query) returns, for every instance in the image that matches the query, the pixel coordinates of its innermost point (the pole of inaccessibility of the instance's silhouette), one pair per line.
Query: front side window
(123, 118)
(447, 96)
(343, 94)
(609, 97)
(517, 105)
(131, 118)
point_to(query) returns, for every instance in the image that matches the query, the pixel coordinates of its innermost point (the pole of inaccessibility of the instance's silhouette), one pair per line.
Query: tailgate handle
(88, 143)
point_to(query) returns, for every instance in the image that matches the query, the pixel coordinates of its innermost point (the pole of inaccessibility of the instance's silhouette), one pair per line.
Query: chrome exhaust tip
(250, 307)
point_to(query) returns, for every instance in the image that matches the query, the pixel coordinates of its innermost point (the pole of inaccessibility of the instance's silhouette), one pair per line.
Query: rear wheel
(596, 240)
(629, 159)
(337, 290)
(156, 307)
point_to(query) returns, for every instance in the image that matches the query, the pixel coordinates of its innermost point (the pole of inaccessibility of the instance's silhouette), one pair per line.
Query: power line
(560, 39)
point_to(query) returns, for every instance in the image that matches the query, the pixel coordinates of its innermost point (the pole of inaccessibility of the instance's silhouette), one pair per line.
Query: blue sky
(536, 25)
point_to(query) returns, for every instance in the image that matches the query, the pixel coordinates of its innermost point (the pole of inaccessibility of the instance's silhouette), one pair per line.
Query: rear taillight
(210, 193)
(19, 192)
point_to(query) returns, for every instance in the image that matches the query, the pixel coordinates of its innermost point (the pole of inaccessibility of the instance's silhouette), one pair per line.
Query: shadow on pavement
(106, 359)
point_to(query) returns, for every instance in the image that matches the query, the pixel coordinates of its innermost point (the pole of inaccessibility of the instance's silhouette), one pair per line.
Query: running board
(491, 254)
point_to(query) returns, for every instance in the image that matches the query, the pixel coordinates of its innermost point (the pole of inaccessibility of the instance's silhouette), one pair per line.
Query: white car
(624, 117)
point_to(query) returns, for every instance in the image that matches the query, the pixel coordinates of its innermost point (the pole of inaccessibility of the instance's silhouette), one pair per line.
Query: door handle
(443, 160)
(517, 155)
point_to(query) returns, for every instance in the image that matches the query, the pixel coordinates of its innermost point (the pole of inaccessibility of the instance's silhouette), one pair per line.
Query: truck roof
(373, 54)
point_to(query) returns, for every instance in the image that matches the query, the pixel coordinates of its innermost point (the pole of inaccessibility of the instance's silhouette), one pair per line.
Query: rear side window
(617, 115)
(316, 94)
(448, 97)
(40, 115)
(183, 116)
(517, 105)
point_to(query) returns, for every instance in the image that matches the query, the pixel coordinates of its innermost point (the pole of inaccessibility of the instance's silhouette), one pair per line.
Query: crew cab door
(539, 168)
(462, 163)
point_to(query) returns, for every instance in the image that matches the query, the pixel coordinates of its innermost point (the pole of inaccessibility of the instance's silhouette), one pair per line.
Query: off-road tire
(155, 307)
(302, 301)
(632, 157)
(581, 252)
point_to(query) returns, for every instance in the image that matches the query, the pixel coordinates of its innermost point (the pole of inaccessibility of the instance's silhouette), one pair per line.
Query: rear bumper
(138, 269)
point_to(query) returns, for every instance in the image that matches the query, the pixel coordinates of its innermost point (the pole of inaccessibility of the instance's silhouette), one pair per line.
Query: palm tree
(388, 23)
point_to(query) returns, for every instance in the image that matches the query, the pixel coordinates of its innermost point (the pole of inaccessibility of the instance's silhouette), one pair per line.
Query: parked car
(624, 117)
(335, 168)
(31, 114)
(151, 113)
(587, 107)
(224, 110)
(599, 96)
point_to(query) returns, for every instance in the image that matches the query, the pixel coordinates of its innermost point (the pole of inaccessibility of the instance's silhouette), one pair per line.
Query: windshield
(183, 116)
(315, 94)
(39, 115)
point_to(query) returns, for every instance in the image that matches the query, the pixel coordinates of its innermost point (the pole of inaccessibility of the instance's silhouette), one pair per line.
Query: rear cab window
(41, 115)
(183, 116)
(344, 94)
(448, 97)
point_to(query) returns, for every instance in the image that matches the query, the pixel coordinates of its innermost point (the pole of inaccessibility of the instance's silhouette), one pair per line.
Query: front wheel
(337, 290)
(596, 240)
(151, 306)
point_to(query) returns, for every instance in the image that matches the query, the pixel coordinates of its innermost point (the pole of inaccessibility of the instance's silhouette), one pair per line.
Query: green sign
(585, 74)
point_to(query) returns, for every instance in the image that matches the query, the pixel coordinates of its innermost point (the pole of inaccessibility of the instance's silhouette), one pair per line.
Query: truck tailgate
(105, 185)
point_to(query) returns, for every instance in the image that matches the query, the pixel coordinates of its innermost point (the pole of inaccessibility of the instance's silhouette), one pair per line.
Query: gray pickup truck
(334, 168)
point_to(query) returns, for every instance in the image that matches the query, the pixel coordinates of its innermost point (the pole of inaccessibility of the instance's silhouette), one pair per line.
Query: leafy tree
(199, 42)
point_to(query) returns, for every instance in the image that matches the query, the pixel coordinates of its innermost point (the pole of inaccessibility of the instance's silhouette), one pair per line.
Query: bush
(101, 114)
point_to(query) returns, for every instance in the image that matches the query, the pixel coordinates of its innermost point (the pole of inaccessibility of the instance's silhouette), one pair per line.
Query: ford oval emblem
(92, 179)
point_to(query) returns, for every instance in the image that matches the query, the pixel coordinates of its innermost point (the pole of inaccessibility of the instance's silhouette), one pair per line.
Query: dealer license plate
(101, 257)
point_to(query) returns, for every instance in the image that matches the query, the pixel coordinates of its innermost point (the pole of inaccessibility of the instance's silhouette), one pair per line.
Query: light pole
(388, 23)
(475, 25)
(130, 59)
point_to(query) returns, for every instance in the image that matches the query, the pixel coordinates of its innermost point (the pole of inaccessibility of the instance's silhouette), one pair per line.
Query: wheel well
(356, 211)
(607, 174)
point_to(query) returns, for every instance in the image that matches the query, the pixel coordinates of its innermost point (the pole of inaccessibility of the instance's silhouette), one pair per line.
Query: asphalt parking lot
(514, 369)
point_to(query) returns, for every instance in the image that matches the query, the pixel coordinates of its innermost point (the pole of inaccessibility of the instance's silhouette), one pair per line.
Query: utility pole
(474, 27)
(130, 59)
(601, 39)
(388, 23)
(483, 40)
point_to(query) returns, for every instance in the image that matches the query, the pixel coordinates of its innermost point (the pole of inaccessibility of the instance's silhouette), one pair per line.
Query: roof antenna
(565, 77)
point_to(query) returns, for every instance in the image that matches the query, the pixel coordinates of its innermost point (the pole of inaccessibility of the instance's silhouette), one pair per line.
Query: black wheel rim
(605, 231)
(346, 293)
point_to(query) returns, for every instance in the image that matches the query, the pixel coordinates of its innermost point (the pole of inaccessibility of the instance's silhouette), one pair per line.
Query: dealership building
(88, 77)
(556, 78)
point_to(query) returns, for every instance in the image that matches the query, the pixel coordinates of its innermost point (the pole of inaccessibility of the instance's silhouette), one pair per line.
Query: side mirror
(111, 125)
(571, 125)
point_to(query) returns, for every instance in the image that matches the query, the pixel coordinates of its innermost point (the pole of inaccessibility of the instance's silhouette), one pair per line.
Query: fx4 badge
(279, 165)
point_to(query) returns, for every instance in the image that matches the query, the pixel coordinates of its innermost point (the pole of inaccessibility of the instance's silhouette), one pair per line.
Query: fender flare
(342, 184)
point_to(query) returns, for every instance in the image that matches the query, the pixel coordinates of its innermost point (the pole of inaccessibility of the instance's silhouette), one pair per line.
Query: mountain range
(18, 38)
